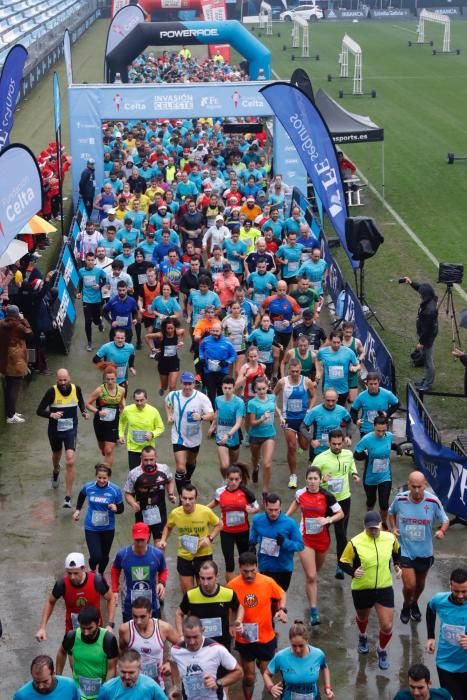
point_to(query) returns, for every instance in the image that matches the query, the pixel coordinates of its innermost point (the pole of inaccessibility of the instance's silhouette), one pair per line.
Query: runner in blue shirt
(334, 363)
(321, 419)
(164, 306)
(420, 686)
(105, 499)
(127, 256)
(289, 254)
(129, 233)
(91, 281)
(235, 251)
(263, 338)
(315, 269)
(230, 412)
(375, 449)
(261, 283)
(119, 352)
(451, 657)
(371, 401)
(122, 311)
(131, 684)
(262, 432)
(300, 666)
(248, 308)
(144, 569)
(411, 518)
(45, 683)
(198, 299)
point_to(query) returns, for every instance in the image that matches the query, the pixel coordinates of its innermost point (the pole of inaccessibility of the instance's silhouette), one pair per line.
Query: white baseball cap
(75, 560)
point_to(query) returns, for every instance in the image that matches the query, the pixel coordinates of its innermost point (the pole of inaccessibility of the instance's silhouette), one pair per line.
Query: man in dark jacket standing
(14, 330)
(427, 330)
(87, 186)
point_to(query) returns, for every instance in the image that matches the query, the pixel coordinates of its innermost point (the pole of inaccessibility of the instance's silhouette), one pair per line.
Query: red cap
(140, 531)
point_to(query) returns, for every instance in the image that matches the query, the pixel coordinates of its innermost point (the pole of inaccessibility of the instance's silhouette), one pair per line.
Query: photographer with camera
(427, 329)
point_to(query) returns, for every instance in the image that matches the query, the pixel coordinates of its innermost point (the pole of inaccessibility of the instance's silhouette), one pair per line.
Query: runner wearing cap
(193, 522)
(144, 570)
(216, 234)
(186, 409)
(77, 588)
(367, 558)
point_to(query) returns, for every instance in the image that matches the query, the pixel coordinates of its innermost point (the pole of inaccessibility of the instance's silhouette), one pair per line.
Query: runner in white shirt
(196, 661)
(186, 409)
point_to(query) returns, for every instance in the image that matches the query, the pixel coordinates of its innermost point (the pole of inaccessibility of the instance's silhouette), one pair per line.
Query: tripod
(451, 312)
(360, 285)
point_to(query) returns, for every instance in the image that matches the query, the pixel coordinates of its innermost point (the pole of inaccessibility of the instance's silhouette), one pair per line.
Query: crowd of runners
(190, 260)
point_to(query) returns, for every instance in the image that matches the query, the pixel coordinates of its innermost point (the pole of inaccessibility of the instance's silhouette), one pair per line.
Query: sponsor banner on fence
(394, 13)
(335, 279)
(377, 356)
(67, 284)
(445, 470)
(452, 12)
(10, 84)
(346, 14)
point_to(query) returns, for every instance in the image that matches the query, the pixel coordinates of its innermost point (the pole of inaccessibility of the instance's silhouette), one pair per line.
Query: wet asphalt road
(37, 533)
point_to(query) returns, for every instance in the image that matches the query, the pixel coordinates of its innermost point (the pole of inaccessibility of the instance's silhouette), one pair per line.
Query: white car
(310, 12)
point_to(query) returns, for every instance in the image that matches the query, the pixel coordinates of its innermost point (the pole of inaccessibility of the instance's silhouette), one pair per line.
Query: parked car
(310, 12)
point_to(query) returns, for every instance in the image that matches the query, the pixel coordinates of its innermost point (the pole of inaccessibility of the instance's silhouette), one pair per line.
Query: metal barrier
(428, 422)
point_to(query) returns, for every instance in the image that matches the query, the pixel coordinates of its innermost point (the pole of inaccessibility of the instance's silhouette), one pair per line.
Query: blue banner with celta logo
(445, 470)
(67, 285)
(20, 192)
(310, 136)
(10, 85)
(377, 356)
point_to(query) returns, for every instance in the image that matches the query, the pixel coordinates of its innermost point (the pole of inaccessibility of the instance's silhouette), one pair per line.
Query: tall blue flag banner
(57, 104)
(122, 24)
(445, 470)
(10, 84)
(310, 136)
(67, 57)
(21, 191)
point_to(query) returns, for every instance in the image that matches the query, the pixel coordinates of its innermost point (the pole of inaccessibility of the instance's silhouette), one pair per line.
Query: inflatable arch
(162, 34)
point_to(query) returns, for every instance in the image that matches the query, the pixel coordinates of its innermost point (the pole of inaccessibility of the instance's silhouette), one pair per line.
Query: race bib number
(415, 532)
(234, 517)
(371, 415)
(259, 298)
(89, 280)
(152, 515)
(212, 626)
(335, 485)
(190, 543)
(170, 350)
(302, 696)
(452, 633)
(138, 436)
(193, 428)
(269, 547)
(316, 285)
(110, 414)
(280, 326)
(264, 356)
(213, 365)
(142, 279)
(64, 424)
(89, 687)
(324, 439)
(100, 518)
(235, 264)
(294, 405)
(292, 266)
(312, 526)
(122, 321)
(250, 631)
(380, 465)
(121, 371)
(270, 419)
(194, 687)
(222, 431)
(140, 592)
(150, 668)
(336, 372)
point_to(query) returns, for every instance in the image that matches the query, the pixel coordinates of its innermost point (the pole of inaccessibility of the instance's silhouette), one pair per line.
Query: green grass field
(422, 104)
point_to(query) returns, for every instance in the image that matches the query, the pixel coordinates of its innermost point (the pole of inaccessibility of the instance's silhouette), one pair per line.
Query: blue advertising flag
(21, 191)
(67, 57)
(10, 84)
(310, 136)
(57, 104)
(445, 470)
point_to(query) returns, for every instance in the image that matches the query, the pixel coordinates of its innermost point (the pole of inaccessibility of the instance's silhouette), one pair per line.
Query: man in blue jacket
(216, 354)
(278, 537)
(122, 312)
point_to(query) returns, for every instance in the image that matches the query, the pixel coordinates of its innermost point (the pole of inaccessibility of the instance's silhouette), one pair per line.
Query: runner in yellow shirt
(139, 426)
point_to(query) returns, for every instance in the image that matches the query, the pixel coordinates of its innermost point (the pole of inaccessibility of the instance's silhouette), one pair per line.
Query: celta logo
(118, 101)
(19, 200)
(236, 98)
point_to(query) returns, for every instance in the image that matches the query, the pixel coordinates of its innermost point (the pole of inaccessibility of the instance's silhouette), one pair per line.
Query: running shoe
(415, 613)
(152, 354)
(139, 345)
(15, 419)
(292, 481)
(363, 644)
(383, 661)
(89, 347)
(339, 574)
(161, 392)
(67, 502)
(405, 614)
(101, 326)
(315, 618)
(55, 481)
(255, 474)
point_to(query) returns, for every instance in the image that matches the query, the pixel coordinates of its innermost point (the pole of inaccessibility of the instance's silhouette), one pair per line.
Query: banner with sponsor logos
(123, 22)
(346, 14)
(20, 193)
(451, 12)
(313, 142)
(393, 13)
(445, 470)
(215, 11)
(89, 106)
(10, 84)
(67, 57)
(377, 356)
(64, 307)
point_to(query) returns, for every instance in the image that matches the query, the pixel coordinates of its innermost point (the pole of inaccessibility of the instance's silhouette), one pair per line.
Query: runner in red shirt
(319, 509)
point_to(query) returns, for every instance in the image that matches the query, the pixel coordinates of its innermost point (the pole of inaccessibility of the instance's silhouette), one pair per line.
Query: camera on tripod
(450, 273)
